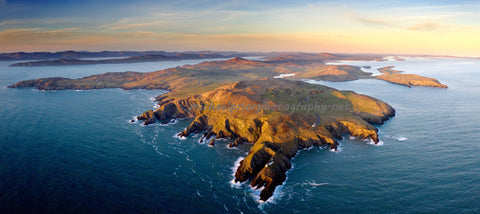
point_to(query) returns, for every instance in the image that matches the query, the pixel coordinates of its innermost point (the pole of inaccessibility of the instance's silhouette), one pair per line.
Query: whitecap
(313, 183)
(305, 149)
(134, 119)
(204, 140)
(402, 139)
(277, 194)
(159, 152)
(339, 149)
(179, 137)
(198, 193)
(234, 170)
(371, 142)
(233, 147)
(187, 157)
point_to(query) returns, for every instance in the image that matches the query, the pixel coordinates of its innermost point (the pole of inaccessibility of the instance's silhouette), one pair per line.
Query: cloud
(369, 21)
(119, 26)
(178, 21)
(34, 35)
(11, 21)
(429, 26)
(38, 22)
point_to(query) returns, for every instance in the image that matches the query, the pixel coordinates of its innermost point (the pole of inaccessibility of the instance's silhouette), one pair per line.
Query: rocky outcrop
(147, 117)
(276, 134)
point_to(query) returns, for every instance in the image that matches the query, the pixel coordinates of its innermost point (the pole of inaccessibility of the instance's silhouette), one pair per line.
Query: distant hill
(131, 59)
(100, 54)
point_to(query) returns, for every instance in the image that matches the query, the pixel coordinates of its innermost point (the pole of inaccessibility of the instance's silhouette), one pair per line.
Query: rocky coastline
(275, 136)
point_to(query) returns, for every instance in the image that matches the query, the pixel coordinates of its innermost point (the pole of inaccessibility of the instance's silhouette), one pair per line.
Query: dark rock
(148, 117)
(212, 142)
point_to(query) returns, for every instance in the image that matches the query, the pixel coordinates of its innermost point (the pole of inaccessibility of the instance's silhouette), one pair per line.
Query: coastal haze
(239, 106)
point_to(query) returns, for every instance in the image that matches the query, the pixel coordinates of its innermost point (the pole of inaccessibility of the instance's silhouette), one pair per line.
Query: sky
(440, 27)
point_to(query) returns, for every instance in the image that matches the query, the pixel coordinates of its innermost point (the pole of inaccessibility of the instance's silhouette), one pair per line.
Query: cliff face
(278, 117)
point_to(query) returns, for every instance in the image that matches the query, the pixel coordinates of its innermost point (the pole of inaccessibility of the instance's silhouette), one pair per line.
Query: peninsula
(409, 80)
(278, 118)
(190, 79)
(239, 100)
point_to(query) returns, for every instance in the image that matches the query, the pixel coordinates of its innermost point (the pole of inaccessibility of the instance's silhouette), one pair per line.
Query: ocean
(77, 151)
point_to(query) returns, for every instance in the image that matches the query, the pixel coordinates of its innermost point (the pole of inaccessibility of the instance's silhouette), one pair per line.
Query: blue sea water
(77, 152)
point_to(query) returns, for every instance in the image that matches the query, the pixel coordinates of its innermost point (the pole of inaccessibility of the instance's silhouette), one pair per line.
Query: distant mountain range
(131, 59)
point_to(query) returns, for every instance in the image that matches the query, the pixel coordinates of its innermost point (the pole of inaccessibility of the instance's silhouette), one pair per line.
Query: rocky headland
(278, 118)
(409, 80)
